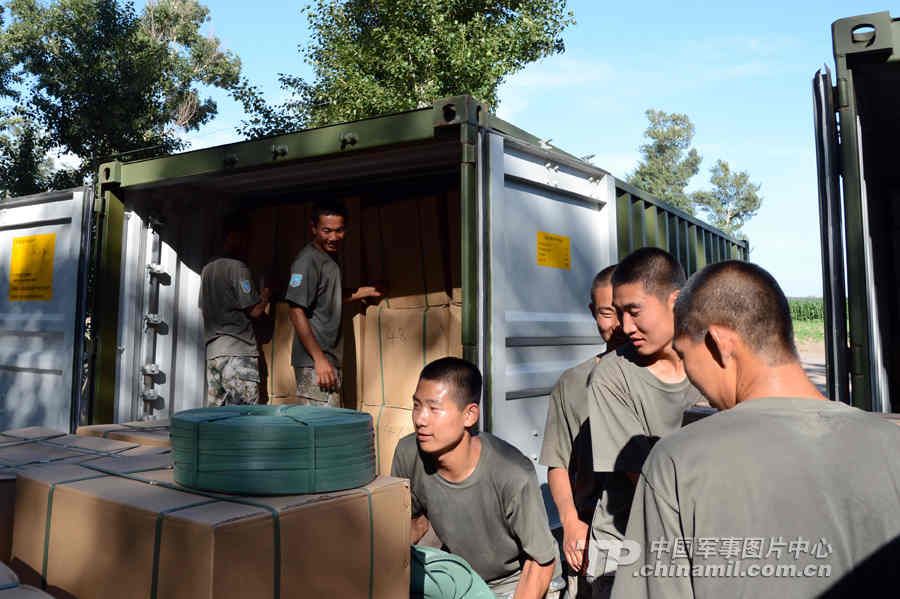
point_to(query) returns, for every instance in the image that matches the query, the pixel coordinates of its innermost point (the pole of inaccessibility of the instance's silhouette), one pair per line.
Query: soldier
(479, 493)
(230, 303)
(782, 494)
(566, 449)
(637, 395)
(316, 298)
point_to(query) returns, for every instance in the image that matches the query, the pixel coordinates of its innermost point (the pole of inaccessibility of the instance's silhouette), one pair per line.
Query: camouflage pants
(309, 393)
(232, 380)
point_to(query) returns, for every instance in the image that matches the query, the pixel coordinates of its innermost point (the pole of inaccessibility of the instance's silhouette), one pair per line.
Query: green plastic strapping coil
(437, 574)
(273, 450)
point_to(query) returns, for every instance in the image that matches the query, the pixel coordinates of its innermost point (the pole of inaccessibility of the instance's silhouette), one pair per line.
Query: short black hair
(658, 271)
(461, 374)
(327, 208)
(743, 297)
(602, 279)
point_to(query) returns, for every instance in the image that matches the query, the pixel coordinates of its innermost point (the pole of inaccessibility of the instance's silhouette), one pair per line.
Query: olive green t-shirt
(315, 286)
(804, 489)
(567, 439)
(495, 519)
(226, 291)
(629, 409)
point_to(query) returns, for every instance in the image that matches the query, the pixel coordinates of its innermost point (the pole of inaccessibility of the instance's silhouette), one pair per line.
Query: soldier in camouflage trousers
(232, 380)
(310, 394)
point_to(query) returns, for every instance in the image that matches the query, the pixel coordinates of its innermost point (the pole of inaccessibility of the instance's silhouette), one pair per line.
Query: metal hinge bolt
(150, 369)
(149, 395)
(153, 321)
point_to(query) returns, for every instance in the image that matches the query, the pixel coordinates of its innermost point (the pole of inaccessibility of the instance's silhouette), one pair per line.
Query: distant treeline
(807, 308)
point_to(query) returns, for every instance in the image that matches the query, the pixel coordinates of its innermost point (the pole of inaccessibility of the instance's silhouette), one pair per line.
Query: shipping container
(486, 237)
(857, 123)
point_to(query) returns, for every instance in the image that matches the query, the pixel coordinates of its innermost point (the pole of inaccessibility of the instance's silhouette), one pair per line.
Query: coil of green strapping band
(436, 574)
(273, 450)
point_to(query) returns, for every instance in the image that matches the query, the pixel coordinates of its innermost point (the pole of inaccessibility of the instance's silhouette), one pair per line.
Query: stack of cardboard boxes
(89, 517)
(409, 245)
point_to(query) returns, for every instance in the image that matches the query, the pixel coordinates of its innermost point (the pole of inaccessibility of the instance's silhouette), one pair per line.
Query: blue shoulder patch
(245, 286)
(296, 279)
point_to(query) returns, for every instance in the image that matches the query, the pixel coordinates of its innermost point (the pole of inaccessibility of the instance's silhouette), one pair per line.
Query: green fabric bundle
(273, 450)
(437, 574)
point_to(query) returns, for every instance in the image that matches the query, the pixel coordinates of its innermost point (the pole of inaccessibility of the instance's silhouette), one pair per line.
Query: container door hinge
(159, 272)
(154, 321)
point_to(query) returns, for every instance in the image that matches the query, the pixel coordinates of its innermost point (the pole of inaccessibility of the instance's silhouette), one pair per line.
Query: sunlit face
(328, 233)
(647, 320)
(605, 314)
(439, 421)
(706, 373)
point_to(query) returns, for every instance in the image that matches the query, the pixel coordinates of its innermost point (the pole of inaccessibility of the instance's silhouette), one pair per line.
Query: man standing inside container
(781, 494)
(478, 492)
(566, 450)
(637, 395)
(230, 303)
(316, 297)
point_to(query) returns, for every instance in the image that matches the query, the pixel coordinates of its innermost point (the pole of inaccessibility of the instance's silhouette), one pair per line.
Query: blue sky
(741, 71)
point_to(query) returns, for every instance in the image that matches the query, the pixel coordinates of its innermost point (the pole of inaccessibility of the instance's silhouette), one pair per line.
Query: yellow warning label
(553, 251)
(31, 268)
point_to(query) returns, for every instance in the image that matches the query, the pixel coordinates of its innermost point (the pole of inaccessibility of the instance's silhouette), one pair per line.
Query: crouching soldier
(478, 492)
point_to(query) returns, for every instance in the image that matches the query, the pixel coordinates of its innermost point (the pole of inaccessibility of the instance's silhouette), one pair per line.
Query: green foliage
(100, 79)
(732, 201)
(668, 161)
(24, 166)
(372, 57)
(807, 309)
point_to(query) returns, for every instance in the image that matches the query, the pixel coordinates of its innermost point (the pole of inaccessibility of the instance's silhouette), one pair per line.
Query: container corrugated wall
(646, 221)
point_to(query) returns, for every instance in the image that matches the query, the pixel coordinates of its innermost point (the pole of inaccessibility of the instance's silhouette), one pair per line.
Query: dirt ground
(812, 354)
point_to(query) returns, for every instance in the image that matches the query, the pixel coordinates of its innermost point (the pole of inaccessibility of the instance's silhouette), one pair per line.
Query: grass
(809, 331)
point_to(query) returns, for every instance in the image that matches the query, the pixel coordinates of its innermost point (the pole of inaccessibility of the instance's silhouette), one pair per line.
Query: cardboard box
(455, 332)
(391, 425)
(103, 539)
(398, 343)
(45, 449)
(153, 433)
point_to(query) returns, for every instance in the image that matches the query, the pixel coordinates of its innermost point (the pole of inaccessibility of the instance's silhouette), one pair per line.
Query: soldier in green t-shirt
(637, 395)
(566, 449)
(479, 493)
(781, 494)
(231, 305)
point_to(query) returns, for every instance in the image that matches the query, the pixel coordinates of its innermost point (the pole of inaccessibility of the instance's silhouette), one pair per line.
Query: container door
(44, 242)
(832, 237)
(550, 228)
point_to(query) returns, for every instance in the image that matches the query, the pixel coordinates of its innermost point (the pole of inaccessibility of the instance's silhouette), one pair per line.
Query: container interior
(877, 89)
(403, 235)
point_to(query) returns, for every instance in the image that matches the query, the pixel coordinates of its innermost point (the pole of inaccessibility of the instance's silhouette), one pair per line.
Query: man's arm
(259, 309)
(534, 581)
(418, 528)
(575, 532)
(325, 373)
(350, 296)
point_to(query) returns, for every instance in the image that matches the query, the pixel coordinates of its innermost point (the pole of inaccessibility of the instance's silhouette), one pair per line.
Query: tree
(101, 79)
(376, 56)
(24, 165)
(668, 161)
(732, 201)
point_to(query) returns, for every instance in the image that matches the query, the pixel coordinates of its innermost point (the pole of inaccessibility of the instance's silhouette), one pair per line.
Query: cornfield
(807, 309)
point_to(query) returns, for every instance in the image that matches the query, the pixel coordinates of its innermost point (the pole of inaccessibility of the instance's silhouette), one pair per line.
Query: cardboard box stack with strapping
(87, 517)
(122, 529)
(409, 245)
(36, 446)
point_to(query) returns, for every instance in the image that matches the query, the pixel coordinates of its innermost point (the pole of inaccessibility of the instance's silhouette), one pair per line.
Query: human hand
(575, 540)
(326, 376)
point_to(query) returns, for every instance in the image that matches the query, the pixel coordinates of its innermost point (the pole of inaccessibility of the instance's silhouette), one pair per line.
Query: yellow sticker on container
(31, 268)
(553, 250)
